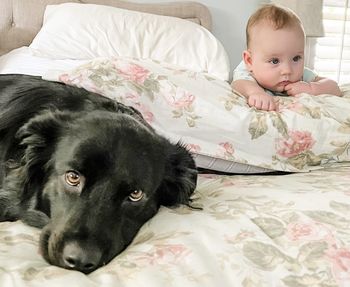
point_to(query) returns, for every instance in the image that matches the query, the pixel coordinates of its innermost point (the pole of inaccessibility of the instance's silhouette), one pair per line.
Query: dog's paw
(35, 218)
(8, 212)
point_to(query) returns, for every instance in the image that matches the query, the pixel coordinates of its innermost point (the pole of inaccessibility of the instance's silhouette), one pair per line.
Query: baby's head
(275, 47)
(276, 17)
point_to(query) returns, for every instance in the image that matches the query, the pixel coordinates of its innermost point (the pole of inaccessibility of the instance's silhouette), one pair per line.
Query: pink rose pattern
(133, 72)
(338, 257)
(340, 265)
(180, 100)
(296, 143)
(79, 81)
(133, 99)
(194, 148)
(164, 254)
(184, 100)
(226, 150)
(309, 231)
(183, 103)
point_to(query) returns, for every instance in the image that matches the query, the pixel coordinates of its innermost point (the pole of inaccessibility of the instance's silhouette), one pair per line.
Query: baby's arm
(317, 87)
(256, 96)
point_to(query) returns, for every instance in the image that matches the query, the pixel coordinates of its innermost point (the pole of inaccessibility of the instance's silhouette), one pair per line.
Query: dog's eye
(136, 195)
(72, 178)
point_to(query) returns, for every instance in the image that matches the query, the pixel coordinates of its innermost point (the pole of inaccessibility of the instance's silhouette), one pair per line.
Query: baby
(273, 63)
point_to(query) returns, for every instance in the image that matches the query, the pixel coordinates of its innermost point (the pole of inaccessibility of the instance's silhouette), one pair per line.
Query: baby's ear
(247, 58)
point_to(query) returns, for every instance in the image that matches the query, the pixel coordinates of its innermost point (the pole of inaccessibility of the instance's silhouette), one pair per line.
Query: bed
(273, 192)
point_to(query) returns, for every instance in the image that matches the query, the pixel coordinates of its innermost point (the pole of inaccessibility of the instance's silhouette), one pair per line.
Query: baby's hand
(297, 88)
(263, 101)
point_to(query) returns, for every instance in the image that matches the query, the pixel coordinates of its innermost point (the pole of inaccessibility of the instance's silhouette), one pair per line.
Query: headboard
(21, 20)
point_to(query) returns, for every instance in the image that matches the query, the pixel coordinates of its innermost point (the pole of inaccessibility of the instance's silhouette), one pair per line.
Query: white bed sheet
(22, 61)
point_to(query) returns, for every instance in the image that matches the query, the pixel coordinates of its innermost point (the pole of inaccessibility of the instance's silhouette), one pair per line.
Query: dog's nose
(81, 257)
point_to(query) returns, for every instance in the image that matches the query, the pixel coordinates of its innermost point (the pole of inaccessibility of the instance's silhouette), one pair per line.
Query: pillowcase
(86, 31)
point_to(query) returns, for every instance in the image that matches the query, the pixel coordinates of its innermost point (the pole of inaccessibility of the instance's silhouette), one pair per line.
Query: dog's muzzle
(80, 256)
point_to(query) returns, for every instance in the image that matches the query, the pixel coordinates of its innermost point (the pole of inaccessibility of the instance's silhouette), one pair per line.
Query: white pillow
(86, 31)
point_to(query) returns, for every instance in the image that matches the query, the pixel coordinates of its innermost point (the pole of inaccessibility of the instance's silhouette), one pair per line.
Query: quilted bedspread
(253, 231)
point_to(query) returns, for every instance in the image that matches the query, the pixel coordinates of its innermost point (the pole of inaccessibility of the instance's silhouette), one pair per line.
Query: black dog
(86, 169)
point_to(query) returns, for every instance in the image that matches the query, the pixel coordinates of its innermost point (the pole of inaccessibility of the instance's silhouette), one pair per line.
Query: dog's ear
(42, 130)
(38, 138)
(180, 177)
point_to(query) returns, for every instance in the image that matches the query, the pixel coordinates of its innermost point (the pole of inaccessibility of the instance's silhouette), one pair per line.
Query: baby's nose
(286, 69)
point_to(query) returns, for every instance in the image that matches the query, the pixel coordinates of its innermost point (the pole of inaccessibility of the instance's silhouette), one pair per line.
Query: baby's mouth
(284, 83)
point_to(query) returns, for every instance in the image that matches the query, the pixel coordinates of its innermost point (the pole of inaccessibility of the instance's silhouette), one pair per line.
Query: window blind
(332, 52)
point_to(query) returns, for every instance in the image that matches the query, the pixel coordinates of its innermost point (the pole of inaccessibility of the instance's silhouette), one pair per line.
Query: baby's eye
(297, 58)
(274, 61)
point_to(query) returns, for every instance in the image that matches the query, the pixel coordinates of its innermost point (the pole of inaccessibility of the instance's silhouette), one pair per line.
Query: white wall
(229, 20)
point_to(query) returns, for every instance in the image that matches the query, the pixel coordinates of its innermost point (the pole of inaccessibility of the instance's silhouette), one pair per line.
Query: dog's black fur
(86, 169)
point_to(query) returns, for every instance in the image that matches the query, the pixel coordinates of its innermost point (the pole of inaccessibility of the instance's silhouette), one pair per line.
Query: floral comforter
(309, 131)
(289, 230)
(253, 231)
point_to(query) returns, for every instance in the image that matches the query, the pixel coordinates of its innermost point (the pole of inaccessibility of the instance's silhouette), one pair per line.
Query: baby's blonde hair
(279, 17)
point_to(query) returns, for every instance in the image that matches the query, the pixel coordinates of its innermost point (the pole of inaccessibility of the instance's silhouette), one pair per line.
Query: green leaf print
(265, 256)
(191, 122)
(151, 85)
(189, 109)
(342, 147)
(258, 125)
(313, 159)
(103, 71)
(31, 273)
(98, 80)
(208, 78)
(311, 254)
(341, 207)
(272, 227)
(328, 218)
(338, 143)
(228, 105)
(249, 282)
(142, 89)
(279, 123)
(234, 100)
(177, 113)
(161, 78)
(345, 127)
(308, 280)
(314, 113)
(306, 158)
(298, 161)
